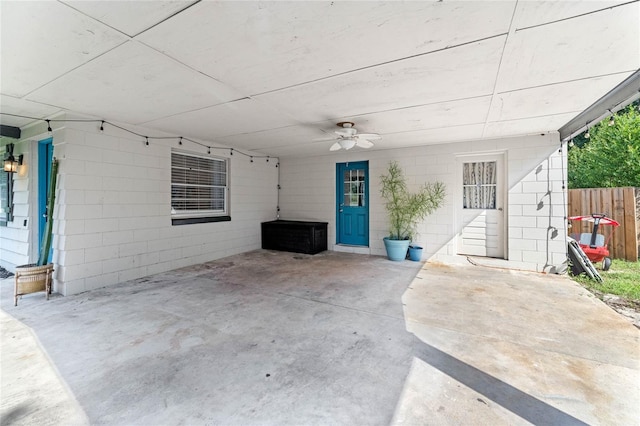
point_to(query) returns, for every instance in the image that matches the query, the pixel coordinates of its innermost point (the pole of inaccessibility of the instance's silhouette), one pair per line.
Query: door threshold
(345, 248)
(492, 262)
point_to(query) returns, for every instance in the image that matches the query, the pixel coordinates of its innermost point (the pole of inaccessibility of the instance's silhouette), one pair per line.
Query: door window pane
(479, 183)
(354, 188)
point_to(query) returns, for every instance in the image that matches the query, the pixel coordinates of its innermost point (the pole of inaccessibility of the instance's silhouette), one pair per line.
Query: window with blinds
(198, 186)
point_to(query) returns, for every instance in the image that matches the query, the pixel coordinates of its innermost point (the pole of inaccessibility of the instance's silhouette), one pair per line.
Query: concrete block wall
(535, 202)
(112, 221)
(537, 207)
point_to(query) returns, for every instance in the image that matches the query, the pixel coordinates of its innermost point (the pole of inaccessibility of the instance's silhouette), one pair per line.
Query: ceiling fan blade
(370, 136)
(364, 143)
(335, 147)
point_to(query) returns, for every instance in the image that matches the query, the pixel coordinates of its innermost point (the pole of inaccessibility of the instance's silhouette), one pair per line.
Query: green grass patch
(622, 279)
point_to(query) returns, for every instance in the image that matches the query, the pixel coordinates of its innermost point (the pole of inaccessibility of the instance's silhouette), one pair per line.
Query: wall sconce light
(10, 162)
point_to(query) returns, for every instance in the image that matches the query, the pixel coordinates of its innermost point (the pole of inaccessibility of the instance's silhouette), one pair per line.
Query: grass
(622, 279)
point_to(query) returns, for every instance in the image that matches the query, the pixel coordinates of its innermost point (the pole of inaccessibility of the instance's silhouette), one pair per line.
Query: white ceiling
(274, 76)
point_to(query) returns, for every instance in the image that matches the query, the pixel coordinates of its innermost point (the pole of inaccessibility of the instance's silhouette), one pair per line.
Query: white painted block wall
(112, 217)
(113, 224)
(535, 201)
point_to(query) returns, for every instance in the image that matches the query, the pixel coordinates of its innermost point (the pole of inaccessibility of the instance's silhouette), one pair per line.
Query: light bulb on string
(267, 159)
(49, 126)
(146, 140)
(208, 150)
(231, 151)
(102, 126)
(612, 120)
(252, 159)
(180, 141)
(587, 135)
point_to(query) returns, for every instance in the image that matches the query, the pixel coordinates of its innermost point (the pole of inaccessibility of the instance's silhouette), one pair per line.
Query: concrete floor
(280, 338)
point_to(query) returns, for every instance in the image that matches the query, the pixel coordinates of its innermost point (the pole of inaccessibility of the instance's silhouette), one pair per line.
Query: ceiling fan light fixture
(346, 129)
(348, 137)
(347, 143)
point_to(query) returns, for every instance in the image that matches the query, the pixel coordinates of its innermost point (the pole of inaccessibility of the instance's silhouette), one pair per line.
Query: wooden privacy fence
(621, 204)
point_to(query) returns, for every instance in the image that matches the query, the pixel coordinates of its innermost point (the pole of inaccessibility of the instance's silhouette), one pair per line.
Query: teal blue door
(45, 152)
(352, 204)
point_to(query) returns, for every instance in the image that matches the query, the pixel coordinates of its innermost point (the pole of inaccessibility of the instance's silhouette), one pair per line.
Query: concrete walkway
(280, 338)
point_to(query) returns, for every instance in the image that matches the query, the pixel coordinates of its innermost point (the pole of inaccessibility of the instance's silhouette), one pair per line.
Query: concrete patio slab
(336, 338)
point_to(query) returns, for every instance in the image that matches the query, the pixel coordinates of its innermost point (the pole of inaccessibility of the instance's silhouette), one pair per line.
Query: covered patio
(271, 337)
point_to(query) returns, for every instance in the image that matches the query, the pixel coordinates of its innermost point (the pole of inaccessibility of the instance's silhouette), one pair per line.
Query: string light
(146, 137)
(612, 120)
(587, 135)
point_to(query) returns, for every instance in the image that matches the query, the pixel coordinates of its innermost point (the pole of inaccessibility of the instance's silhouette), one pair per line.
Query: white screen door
(481, 206)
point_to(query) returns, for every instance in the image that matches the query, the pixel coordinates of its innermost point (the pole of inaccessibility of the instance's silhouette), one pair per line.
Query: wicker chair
(32, 279)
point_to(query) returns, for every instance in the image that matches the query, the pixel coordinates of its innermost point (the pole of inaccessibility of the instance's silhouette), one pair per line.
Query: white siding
(533, 164)
(15, 238)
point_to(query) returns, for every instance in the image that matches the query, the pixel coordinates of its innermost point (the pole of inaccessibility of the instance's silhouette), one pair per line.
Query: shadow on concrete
(507, 396)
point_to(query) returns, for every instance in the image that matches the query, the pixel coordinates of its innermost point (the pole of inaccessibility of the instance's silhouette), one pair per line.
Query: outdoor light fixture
(347, 143)
(10, 162)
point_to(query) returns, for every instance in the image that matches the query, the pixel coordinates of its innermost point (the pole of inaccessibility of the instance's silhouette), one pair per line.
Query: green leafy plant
(610, 157)
(406, 209)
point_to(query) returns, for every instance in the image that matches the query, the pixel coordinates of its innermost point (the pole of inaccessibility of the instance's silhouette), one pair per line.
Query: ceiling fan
(348, 137)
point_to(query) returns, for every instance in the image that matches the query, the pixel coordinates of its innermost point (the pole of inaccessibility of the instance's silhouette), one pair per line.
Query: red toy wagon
(595, 245)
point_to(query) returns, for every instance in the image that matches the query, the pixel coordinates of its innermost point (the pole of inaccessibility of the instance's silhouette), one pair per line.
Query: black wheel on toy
(606, 263)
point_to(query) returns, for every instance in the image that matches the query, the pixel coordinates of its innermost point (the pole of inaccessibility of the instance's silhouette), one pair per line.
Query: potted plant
(406, 209)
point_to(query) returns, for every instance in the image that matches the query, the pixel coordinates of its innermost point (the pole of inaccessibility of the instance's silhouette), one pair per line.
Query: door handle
(500, 209)
(340, 211)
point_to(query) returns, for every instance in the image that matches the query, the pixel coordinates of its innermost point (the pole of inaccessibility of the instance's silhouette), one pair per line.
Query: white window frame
(193, 181)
